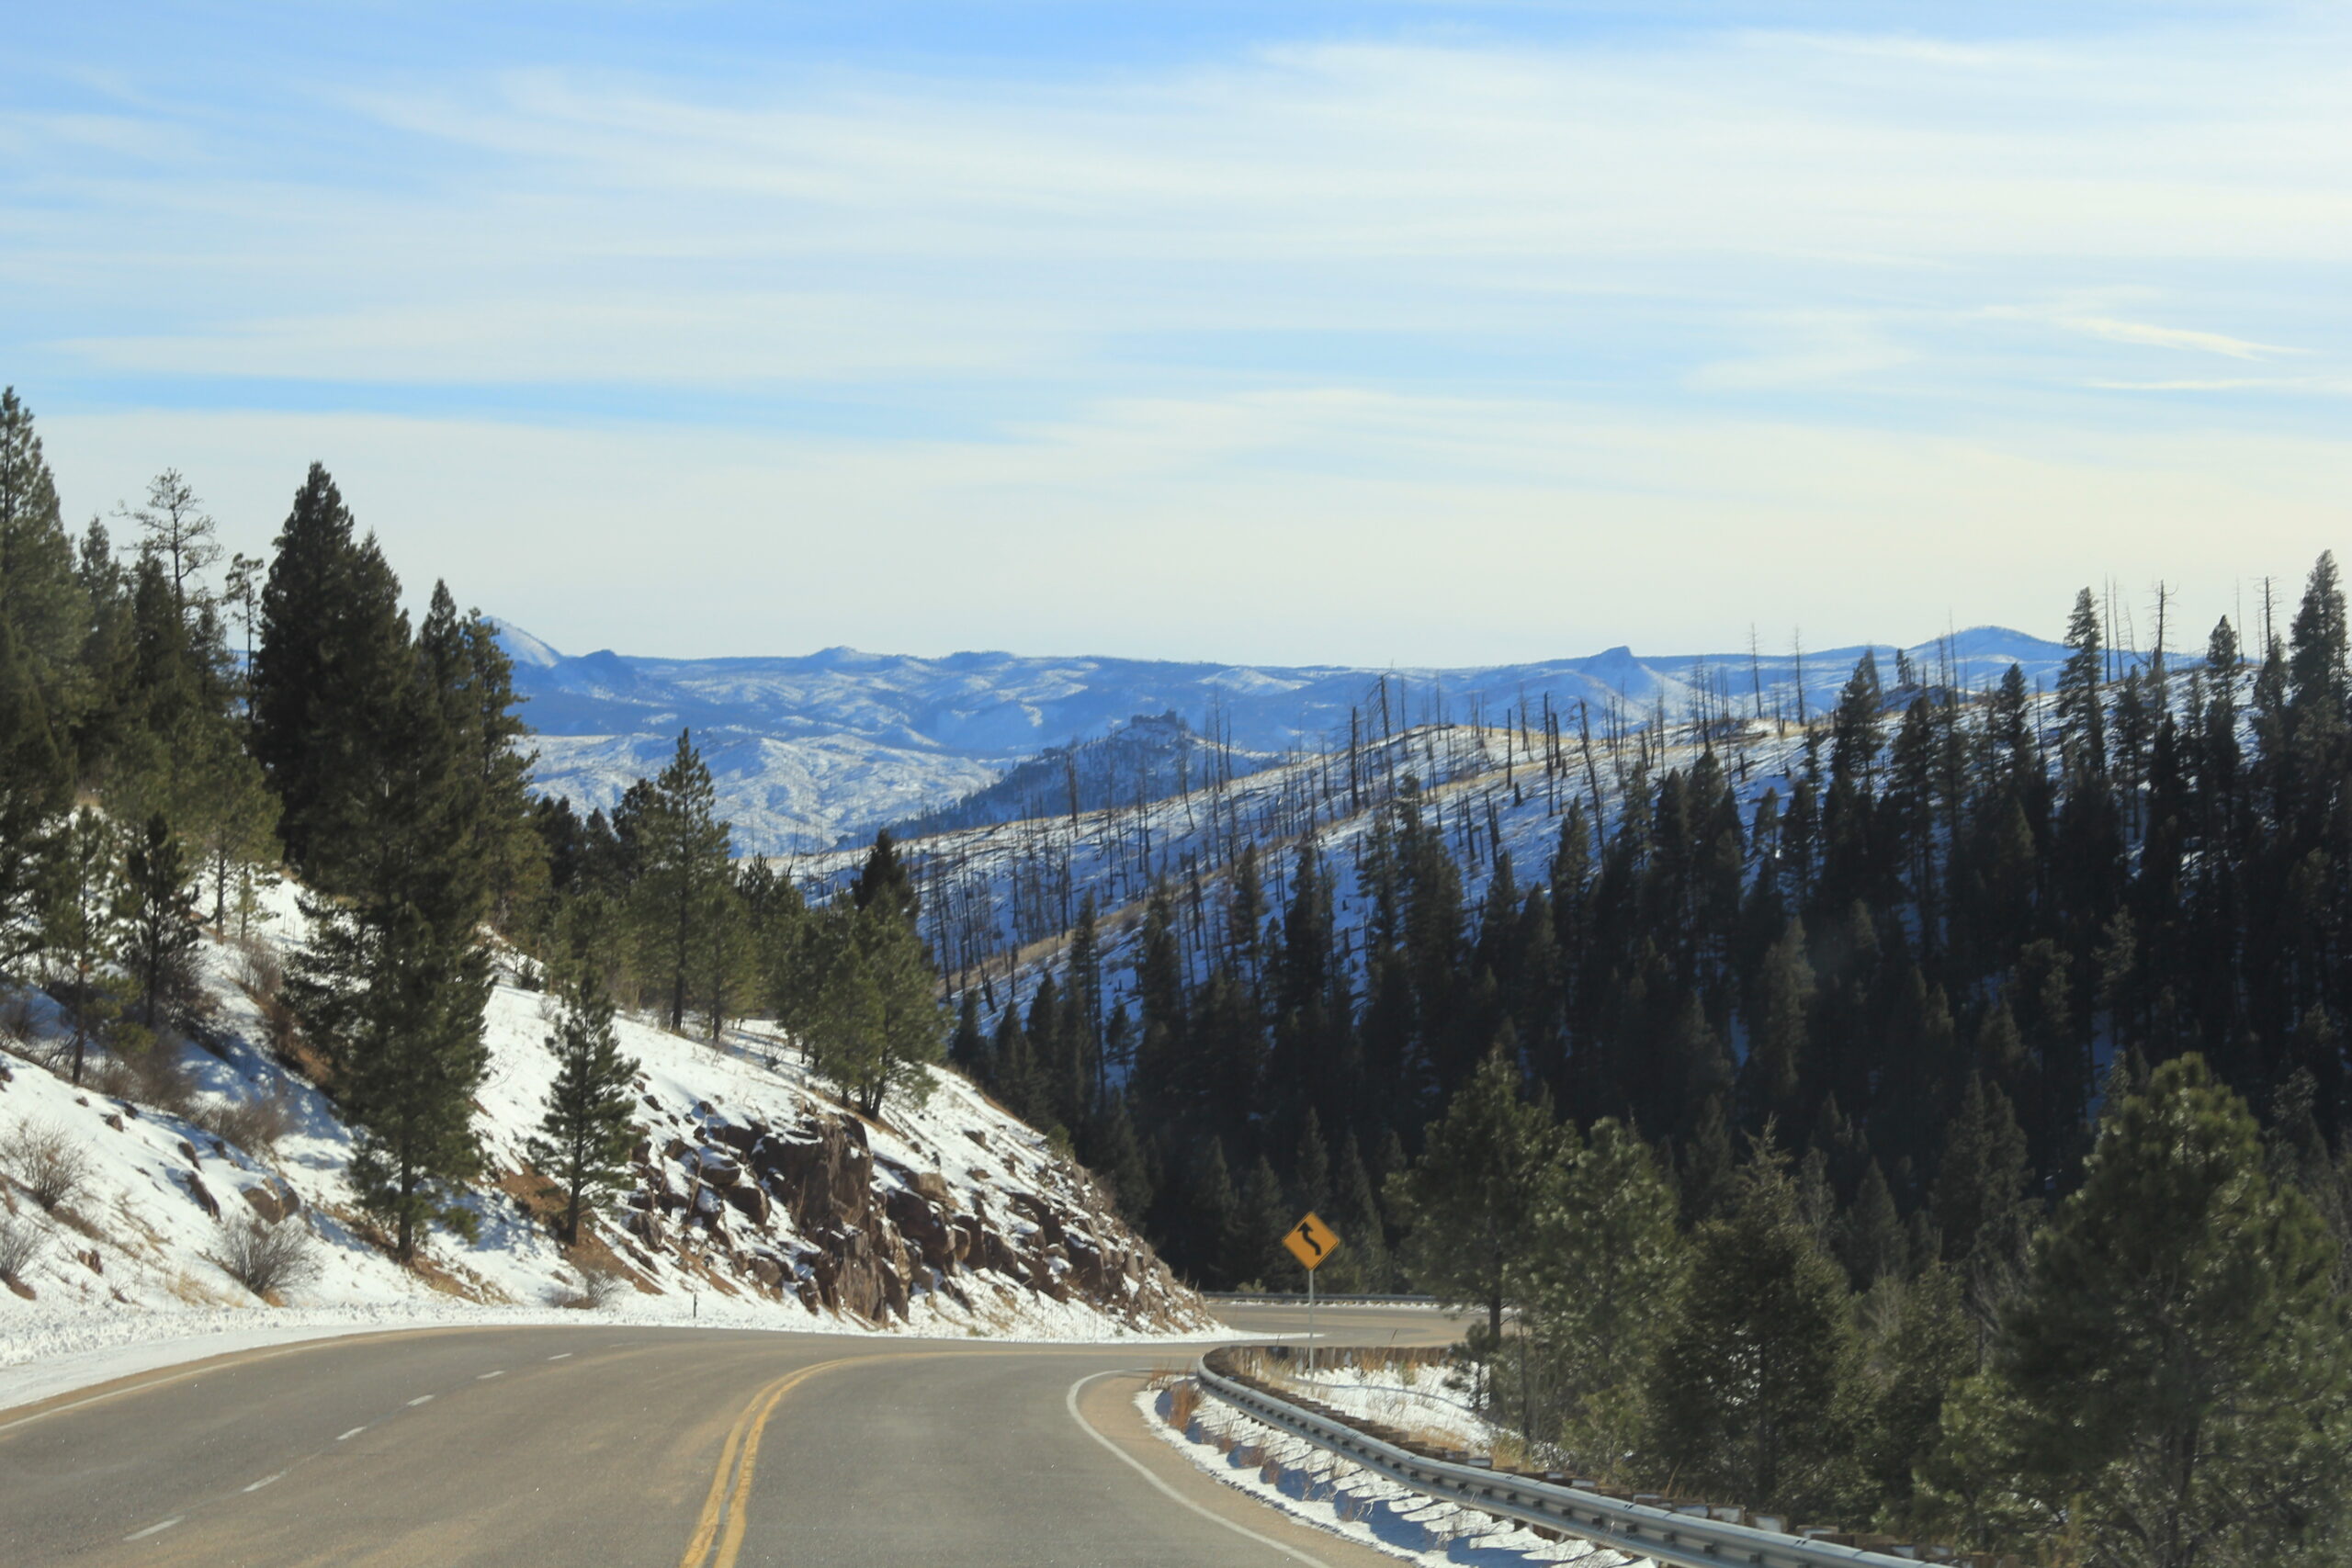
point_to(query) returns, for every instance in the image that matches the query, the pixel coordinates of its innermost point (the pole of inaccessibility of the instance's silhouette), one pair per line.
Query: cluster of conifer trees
(117, 689)
(1842, 1046)
(142, 759)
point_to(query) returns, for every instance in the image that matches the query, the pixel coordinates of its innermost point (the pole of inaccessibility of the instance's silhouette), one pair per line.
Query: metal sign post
(1310, 1323)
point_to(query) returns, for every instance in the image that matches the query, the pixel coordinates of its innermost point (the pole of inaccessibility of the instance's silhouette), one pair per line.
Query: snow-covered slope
(954, 1218)
(806, 750)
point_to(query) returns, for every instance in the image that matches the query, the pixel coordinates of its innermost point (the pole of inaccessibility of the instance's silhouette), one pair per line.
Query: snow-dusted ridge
(953, 1219)
(807, 749)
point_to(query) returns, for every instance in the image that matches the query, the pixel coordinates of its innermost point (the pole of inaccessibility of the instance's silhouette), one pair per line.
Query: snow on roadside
(126, 1275)
(1331, 1494)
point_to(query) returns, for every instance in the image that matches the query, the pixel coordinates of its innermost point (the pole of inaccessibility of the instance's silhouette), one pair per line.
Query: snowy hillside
(996, 900)
(808, 749)
(953, 1219)
(1149, 758)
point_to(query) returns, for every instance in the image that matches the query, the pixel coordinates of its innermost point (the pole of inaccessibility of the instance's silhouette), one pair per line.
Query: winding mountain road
(581, 1447)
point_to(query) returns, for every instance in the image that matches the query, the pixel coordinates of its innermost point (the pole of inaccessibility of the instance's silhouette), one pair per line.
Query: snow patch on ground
(127, 1276)
(1319, 1488)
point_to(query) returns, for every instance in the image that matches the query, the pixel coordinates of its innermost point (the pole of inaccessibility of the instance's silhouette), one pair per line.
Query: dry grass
(1183, 1403)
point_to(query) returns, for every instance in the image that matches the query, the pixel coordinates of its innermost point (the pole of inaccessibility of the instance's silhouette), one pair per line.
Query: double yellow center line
(719, 1531)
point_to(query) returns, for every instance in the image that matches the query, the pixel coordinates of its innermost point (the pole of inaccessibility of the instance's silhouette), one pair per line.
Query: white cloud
(1348, 351)
(2172, 337)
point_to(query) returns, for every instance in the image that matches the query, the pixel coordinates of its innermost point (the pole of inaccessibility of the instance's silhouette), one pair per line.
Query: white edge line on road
(420, 1399)
(265, 1480)
(1070, 1400)
(155, 1529)
(487, 1376)
(353, 1433)
(565, 1357)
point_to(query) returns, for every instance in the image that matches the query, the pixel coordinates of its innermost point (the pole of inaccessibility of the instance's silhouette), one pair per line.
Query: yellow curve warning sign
(1311, 1241)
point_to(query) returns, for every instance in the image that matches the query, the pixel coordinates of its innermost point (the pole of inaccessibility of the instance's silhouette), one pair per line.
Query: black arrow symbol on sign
(1307, 1236)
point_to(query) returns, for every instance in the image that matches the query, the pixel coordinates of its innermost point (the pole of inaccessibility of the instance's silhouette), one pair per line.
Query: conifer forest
(1933, 1113)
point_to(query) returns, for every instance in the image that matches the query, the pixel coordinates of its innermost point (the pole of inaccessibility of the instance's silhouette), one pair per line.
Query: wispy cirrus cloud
(1191, 281)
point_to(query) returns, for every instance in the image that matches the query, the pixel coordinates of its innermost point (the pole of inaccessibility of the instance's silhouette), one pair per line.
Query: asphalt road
(576, 1448)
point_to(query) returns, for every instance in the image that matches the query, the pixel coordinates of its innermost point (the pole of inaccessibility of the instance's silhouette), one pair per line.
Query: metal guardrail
(1686, 1540)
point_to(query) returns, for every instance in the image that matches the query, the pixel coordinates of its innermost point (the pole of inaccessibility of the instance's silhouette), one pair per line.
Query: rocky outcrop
(812, 1209)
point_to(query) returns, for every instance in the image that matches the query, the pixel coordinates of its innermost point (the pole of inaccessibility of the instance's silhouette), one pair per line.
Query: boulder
(272, 1201)
(751, 1201)
(203, 1195)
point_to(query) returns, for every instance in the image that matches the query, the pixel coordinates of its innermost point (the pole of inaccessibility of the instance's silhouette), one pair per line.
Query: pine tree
(1212, 1219)
(513, 857)
(1115, 1155)
(41, 599)
(85, 919)
(33, 792)
(968, 1048)
(335, 658)
(584, 1136)
(1362, 1261)
(2081, 712)
(884, 879)
(1914, 1343)
(1311, 1175)
(2174, 1385)
(1748, 1389)
(1979, 1204)
(1254, 1252)
(393, 982)
(159, 945)
(1869, 1239)
(1597, 1286)
(873, 1024)
(1770, 1079)
(683, 849)
(1468, 1205)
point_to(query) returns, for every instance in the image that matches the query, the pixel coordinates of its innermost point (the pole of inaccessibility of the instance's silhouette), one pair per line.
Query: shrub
(20, 1243)
(254, 1125)
(259, 973)
(47, 1165)
(266, 1258)
(142, 1068)
(599, 1280)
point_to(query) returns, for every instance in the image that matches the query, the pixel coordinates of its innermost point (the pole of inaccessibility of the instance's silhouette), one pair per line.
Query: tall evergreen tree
(159, 942)
(1468, 1206)
(1748, 1390)
(41, 599)
(582, 1144)
(2174, 1386)
(34, 792)
(334, 657)
(85, 919)
(683, 849)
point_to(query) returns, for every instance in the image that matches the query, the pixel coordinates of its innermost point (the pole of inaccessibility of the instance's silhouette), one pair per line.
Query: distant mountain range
(808, 750)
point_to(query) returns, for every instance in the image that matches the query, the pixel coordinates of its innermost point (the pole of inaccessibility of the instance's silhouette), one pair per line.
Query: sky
(1431, 332)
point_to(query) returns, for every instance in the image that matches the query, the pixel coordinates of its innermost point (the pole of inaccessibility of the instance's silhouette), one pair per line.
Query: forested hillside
(1923, 1043)
(266, 850)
